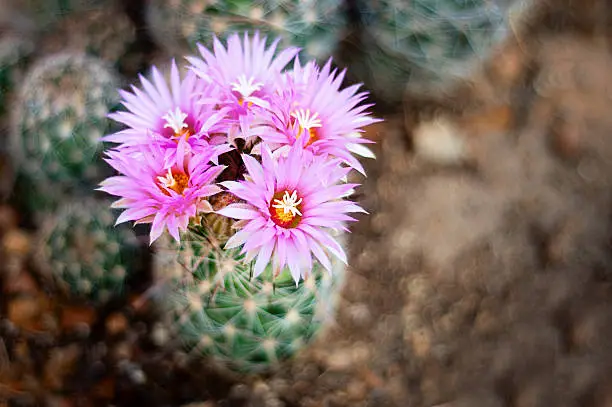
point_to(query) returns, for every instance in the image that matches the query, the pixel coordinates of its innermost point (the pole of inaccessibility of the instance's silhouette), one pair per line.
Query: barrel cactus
(425, 46)
(242, 162)
(59, 117)
(84, 253)
(249, 324)
(316, 26)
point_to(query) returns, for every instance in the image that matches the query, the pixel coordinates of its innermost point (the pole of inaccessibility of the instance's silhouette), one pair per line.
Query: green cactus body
(248, 324)
(60, 115)
(84, 252)
(426, 45)
(316, 26)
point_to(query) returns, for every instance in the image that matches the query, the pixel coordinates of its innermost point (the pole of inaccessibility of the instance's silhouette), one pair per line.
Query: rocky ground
(481, 278)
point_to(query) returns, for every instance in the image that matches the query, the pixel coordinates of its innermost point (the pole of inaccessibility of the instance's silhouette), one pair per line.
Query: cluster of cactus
(60, 107)
(425, 46)
(81, 249)
(316, 25)
(57, 86)
(219, 310)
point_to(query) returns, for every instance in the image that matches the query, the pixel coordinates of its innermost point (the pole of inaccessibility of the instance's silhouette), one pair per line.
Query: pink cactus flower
(245, 74)
(292, 205)
(170, 116)
(313, 111)
(166, 197)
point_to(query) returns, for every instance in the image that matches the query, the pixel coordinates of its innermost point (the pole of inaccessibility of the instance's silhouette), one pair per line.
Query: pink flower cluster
(294, 128)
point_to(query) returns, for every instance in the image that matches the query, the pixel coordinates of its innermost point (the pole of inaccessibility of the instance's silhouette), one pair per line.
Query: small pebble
(160, 335)
(356, 390)
(116, 323)
(440, 141)
(16, 242)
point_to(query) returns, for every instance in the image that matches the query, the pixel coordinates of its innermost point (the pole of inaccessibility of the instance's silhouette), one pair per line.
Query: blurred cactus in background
(216, 308)
(425, 46)
(82, 250)
(58, 119)
(316, 26)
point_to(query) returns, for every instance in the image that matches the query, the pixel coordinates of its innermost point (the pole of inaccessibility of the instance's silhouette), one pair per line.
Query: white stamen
(175, 120)
(306, 120)
(168, 180)
(246, 87)
(289, 203)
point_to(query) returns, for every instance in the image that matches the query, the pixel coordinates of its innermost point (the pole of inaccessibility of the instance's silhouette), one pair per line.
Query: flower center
(285, 209)
(241, 102)
(175, 120)
(175, 180)
(246, 87)
(308, 123)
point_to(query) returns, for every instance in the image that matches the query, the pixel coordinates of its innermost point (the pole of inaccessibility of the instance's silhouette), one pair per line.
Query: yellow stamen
(307, 123)
(286, 212)
(174, 180)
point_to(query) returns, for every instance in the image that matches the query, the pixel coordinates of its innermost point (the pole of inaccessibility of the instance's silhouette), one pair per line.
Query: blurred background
(482, 276)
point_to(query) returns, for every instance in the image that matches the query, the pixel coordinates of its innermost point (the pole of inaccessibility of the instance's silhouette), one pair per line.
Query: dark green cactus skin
(247, 324)
(425, 46)
(316, 26)
(85, 253)
(59, 117)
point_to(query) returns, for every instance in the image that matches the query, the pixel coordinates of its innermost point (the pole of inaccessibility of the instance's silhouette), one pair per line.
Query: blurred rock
(26, 312)
(440, 141)
(116, 323)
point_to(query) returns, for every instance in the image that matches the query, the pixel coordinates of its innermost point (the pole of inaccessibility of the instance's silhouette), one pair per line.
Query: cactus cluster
(214, 304)
(216, 308)
(317, 26)
(60, 115)
(84, 252)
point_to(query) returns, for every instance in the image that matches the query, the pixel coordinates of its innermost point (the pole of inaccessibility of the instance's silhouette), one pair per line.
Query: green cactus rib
(316, 26)
(85, 253)
(247, 324)
(59, 117)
